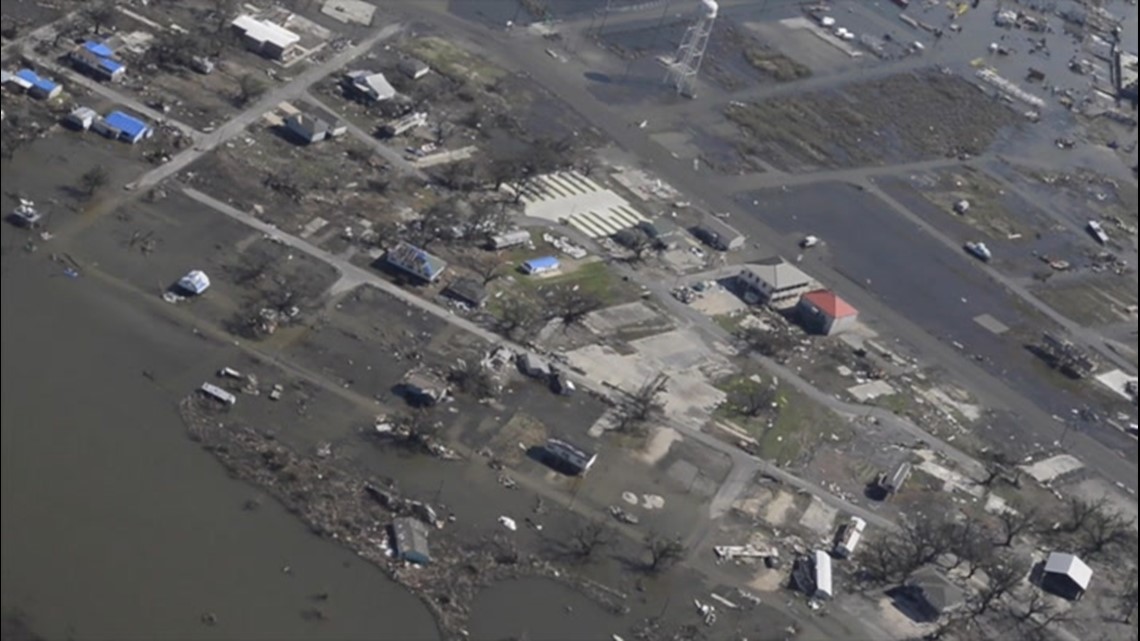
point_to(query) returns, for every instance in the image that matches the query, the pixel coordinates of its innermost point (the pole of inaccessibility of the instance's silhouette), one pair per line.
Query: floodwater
(552, 612)
(116, 525)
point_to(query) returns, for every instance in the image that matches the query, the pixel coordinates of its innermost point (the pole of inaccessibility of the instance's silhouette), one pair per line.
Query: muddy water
(115, 526)
(540, 610)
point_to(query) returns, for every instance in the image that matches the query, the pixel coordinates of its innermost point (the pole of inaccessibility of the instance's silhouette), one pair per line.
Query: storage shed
(1066, 575)
(540, 265)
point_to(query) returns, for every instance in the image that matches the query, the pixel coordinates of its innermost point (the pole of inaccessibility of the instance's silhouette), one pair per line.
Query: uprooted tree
(635, 410)
(93, 180)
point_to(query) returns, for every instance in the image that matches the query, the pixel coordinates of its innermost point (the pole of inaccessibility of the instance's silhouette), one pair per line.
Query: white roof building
(372, 85)
(265, 37)
(1067, 574)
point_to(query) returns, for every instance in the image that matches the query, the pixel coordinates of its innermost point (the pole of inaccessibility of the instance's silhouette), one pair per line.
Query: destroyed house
(468, 291)
(424, 388)
(410, 538)
(932, 594)
(568, 459)
(98, 60)
(265, 38)
(415, 261)
(370, 85)
(413, 68)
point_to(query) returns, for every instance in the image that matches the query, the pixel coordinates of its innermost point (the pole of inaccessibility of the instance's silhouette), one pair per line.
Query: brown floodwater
(115, 525)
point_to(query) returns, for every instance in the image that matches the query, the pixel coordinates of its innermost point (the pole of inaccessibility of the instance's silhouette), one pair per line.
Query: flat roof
(98, 48)
(265, 31)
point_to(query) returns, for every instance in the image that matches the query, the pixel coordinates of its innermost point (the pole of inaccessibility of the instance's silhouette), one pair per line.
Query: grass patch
(775, 64)
(453, 62)
(787, 432)
(592, 278)
(730, 322)
(987, 213)
(1096, 302)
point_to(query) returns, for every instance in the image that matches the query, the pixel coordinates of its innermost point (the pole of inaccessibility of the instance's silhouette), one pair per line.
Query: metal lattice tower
(686, 63)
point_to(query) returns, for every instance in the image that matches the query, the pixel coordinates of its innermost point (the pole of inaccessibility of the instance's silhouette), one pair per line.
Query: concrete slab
(992, 324)
(611, 319)
(819, 517)
(779, 509)
(572, 198)
(349, 11)
(718, 302)
(1049, 469)
(1117, 381)
(870, 390)
(951, 480)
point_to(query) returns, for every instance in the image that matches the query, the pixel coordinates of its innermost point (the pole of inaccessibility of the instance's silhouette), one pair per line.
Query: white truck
(979, 250)
(1097, 231)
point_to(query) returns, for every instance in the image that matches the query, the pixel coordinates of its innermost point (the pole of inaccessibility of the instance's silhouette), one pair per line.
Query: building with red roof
(823, 312)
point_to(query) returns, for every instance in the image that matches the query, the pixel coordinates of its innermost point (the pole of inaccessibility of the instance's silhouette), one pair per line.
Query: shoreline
(342, 505)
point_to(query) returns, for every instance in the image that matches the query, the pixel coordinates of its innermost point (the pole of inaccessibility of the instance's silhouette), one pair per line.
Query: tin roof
(129, 125)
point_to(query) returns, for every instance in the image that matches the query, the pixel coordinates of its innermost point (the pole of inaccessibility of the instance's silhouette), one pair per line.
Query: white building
(370, 85)
(821, 563)
(266, 38)
(778, 283)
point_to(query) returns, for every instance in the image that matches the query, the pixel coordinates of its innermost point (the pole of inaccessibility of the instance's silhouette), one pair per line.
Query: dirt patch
(930, 115)
(521, 430)
(775, 64)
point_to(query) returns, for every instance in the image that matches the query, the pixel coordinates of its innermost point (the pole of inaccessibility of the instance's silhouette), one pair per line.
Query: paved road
(295, 88)
(393, 156)
(565, 81)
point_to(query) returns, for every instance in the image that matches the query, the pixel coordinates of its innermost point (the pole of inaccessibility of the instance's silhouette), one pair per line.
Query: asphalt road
(566, 80)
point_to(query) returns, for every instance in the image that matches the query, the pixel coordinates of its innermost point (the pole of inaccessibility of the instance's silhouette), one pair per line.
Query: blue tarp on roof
(541, 264)
(99, 49)
(130, 126)
(110, 66)
(43, 84)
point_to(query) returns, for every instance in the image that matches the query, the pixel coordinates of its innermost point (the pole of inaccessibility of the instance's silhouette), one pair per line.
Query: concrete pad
(777, 511)
(1046, 470)
(349, 11)
(677, 143)
(870, 390)
(951, 480)
(718, 302)
(690, 476)
(819, 517)
(611, 319)
(645, 186)
(1117, 381)
(942, 399)
(991, 324)
(658, 445)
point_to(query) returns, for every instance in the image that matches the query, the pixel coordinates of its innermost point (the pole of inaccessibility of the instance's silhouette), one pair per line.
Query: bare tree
(1106, 529)
(663, 551)
(881, 563)
(1078, 514)
(420, 427)
(485, 266)
(100, 15)
(469, 376)
(440, 221)
(250, 88)
(753, 400)
(1126, 599)
(926, 538)
(589, 538)
(571, 305)
(971, 544)
(94, 179)
(1016, 520)
(517, 317)
(173, 50)
(286, 183)
(457, 176)
(1003, 572)
(634, 412)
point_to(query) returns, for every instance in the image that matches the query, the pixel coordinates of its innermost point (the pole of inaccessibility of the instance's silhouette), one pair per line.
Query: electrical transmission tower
(686, 64)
